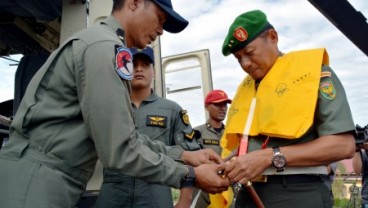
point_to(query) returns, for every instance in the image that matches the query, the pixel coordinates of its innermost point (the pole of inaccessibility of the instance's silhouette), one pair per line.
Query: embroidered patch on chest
(124, 63)
(327, 90)
(153, 120)
(211, 141)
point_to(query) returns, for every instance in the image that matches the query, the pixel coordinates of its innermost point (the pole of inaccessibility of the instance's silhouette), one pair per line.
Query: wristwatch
(278, 159)
(189, 179)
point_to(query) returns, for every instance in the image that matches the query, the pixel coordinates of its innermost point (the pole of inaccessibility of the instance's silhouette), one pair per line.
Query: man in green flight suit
(77, 108)
(158, 118)
(291, 115)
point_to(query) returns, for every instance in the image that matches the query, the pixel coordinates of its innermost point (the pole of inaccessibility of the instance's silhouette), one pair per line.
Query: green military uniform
(326, 112)
(210, 138)
(77, 109)
(332, 116)
(161, 120)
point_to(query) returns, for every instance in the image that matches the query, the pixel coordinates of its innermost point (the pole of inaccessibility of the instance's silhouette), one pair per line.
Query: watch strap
(276, 150)
(189, 179)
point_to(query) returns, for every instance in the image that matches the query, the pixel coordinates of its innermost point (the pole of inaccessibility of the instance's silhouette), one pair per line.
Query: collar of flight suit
(112, 22)
(209, 126)
(151, 98)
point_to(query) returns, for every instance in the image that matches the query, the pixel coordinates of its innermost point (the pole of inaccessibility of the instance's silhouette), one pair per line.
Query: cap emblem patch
(240, 34)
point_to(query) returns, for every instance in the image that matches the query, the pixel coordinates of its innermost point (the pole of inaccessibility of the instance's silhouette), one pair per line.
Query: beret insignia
(240, 34)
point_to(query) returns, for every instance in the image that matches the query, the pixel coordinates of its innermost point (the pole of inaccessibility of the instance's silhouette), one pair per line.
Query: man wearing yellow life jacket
(292, 112)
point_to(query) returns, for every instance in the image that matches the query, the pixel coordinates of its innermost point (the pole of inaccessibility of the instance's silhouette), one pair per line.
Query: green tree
(340, 191)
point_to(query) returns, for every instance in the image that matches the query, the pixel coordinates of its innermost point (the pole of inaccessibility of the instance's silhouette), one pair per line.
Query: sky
(299, 25)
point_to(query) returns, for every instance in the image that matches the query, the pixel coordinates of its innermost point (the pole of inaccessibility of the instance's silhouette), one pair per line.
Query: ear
(206, 106)
(133, 4)
(273, 36)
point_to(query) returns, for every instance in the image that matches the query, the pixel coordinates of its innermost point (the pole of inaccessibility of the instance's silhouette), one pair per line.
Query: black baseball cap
(174, 22)
(147, 51)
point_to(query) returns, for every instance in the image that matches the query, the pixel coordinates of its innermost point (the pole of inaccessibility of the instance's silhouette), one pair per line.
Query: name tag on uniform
(211, 141)
(159, 121)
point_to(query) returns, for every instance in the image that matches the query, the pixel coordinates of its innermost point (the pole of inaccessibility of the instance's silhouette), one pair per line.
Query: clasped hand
(246, 167)
(240, 169)
(207, 163)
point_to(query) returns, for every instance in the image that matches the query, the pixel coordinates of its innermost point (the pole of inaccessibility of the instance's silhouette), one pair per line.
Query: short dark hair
(117, 4)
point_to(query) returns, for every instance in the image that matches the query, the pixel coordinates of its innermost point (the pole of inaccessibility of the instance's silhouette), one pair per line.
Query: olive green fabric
(120, 190)
(77, 109)
(245, 28)
(210, 138)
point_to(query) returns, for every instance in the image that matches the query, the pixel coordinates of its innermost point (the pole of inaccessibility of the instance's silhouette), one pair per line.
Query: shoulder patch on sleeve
(327, 90)
(190, 136)
(184, 117)
(123, 62)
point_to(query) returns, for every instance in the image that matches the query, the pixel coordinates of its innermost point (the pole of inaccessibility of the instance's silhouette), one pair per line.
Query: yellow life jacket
(286, 99)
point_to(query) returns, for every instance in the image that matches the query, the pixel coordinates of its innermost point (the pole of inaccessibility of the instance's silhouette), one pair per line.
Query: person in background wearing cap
(77, 108)
(215, 104)
(294, 113)
(160, 119)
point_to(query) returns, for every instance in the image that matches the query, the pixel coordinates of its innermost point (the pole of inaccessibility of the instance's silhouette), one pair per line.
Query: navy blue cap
(147, 51)
(174, 22)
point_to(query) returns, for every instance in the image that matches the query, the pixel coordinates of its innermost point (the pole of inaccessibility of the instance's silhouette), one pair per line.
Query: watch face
(279, 161)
